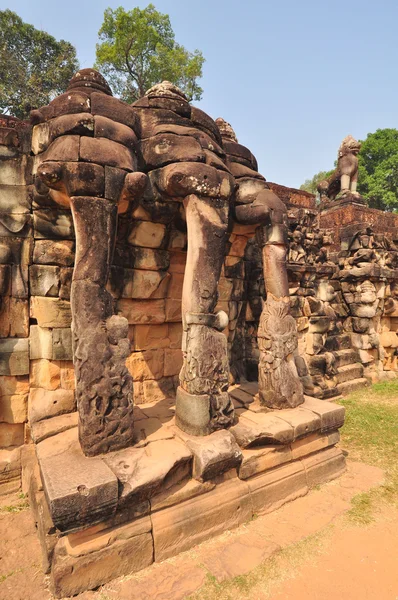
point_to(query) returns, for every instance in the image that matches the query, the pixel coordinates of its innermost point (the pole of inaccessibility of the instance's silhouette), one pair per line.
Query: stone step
(351, 386)
(326, 394)
(348, 356)
(338, 342)
(349, 372)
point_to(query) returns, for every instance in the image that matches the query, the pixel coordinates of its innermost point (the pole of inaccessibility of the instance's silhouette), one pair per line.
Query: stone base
(343, 200)
(193, 412)
(117, 513)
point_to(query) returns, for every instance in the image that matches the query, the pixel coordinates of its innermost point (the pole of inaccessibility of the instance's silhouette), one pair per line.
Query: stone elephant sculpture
(97, 155)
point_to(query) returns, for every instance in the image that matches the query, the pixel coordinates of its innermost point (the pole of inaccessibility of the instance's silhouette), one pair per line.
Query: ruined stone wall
(343, 297)
(16, 246)
(344, 302)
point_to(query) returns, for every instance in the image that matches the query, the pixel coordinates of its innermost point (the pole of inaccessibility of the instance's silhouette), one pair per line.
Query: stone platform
(102, 517)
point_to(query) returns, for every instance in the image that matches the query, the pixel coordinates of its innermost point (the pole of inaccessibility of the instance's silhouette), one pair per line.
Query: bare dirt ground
(312, 548)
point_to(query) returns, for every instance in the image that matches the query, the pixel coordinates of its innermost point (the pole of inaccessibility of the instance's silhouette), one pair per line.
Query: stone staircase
(349, 369)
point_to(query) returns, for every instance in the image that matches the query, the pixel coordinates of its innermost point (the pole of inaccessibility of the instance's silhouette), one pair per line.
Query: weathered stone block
(45, 374)
(62, 344)
(14, 409)
(147, 234)
(303, 421)
(63, 149)
(15, 171)
(389, 339)
(114, 109)
(49, 403)
(173, 310)
(80, 490)
(156, 390)
(44, 280)
(313, 443)
(40, 138)
(77, 123)
(213, 454)
(314, 343)
(117, 132)
(185, 525)
(54, 252)
(258, 460)
(14, 199)
(122, 551)
(172, 361)
(106, 152)
(324, 466)
(114, 182)
(177, 262)
(14, 361)
(331, 415)
(45, 527)
(142, 472)
(349, 372)
(175, 288)
(225, 287)
(261, 428)
(53, 223)
(66, 274)
(67, 375)
(150, 429)
(147, 337)
(85, 179)
(145, 284)
(41, 342)
(41, 430)
(13, 385)
(271, 490)
(142, 311)
(180, 492)
(14, 317)
(175, 335)
(11, 434)
(50, 312)
(146, 365)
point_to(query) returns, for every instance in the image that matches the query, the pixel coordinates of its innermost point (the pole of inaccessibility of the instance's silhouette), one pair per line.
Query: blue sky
(292, 77)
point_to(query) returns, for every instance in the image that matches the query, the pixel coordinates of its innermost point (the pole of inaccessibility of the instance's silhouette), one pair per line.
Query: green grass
(370, 434)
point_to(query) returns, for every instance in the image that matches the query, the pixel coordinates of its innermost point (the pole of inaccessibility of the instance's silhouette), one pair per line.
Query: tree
(378, 169)
(310, 185)
(34, 66)
(137, 49)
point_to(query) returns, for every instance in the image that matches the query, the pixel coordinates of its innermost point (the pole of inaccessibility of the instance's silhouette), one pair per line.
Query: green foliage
(378, 169)
(310, 185)
(34, 66)
(137, 49)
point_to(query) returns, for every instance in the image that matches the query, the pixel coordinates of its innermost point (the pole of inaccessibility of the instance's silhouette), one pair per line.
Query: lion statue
(345, 178)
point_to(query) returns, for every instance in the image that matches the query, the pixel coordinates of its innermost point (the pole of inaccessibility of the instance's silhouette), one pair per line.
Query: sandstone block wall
(343, 286)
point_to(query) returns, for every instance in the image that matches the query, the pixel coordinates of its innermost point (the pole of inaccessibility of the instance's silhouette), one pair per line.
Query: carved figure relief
(279, 384)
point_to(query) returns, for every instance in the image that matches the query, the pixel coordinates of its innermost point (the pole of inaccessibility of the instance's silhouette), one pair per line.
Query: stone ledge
(82, 491)
(170, 491)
